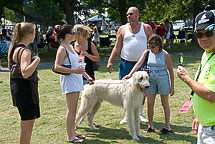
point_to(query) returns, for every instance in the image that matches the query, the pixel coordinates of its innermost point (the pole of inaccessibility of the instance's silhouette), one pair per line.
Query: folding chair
(181, 36)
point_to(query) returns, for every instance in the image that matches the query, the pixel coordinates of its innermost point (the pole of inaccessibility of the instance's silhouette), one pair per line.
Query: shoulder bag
(66, 66)
(95, 64)
(15, 69)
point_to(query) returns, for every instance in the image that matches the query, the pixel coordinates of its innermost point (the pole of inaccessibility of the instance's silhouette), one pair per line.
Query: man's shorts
(29, 112)
(206, 135)
(159, 82)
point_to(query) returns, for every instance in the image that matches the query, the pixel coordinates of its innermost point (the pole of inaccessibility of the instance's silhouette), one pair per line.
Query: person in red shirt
(161, 31)
(152, 24)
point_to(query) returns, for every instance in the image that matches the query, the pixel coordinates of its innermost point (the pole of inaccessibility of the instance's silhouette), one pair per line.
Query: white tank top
(73, 82)
(133, 44)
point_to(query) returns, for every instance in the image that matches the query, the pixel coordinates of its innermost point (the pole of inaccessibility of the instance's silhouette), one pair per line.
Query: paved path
(48, 65)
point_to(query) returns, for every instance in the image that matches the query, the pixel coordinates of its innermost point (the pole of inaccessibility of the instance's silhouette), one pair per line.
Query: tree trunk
(68, 11)
(195, 12)
(122, 10)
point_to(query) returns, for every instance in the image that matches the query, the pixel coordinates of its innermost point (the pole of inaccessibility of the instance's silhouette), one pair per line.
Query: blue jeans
(125, 68)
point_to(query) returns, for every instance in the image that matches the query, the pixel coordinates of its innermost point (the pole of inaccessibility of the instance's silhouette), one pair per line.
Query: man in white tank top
(131, 43)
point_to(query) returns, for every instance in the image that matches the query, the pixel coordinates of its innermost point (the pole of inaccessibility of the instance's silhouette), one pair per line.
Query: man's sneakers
(124, 121)
(142, 119)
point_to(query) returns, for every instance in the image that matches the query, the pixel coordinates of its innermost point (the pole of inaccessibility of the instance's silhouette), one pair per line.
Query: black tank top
(89, 65)
(24, 92)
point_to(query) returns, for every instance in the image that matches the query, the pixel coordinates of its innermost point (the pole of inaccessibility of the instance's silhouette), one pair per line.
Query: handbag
(15, 69)
(66, 66)
(95, 66)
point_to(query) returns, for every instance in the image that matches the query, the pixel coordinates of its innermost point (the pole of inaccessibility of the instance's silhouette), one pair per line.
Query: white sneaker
(143, 119)
(124, 121)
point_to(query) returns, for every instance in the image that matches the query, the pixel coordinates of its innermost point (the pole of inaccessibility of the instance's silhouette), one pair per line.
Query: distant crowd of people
(164, 30)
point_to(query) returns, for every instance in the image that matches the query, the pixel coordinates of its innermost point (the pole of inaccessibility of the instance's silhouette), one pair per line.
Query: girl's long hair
(21, 30)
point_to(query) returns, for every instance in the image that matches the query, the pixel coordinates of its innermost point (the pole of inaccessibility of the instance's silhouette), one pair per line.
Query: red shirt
(161, 31)
(153, 25)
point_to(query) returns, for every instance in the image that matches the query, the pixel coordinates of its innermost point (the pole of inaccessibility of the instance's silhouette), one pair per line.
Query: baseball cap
(205, 21)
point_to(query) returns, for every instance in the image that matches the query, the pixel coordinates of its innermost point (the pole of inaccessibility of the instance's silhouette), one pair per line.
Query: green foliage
(50, 11)
(12, 16)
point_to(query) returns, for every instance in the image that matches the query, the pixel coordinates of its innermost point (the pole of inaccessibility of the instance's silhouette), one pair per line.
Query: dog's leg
(131, 124)
(85, 107)
(137, 122)
(92, 114)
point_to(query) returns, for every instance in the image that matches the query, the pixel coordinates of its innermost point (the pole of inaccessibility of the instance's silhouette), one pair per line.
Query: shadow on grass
(177, 134)
(114, 135)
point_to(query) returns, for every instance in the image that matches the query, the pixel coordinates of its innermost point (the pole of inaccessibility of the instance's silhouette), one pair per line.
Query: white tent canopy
(7, 22)
(98, 18)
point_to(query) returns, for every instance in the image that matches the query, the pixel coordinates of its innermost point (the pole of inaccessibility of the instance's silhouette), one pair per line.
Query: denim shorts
(125, 68)
(159, 82)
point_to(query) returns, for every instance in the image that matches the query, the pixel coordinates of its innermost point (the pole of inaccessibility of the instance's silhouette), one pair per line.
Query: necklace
(134, 31)
(134, 28)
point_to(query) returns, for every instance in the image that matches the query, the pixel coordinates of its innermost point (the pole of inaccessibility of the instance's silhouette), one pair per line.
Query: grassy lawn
(51, 127)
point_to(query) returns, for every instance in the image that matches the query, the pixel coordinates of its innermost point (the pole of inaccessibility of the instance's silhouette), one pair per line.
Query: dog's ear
(140, 79)
(136, 78)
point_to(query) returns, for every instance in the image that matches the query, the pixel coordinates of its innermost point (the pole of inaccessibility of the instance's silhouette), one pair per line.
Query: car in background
(178, 24)
(181, 24)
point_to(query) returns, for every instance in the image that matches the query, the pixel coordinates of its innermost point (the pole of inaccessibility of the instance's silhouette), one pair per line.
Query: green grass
(51, 127)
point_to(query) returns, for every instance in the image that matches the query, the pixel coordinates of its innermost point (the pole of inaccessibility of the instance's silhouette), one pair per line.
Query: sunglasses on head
(207, 34)
(72, 33)
(130, 14)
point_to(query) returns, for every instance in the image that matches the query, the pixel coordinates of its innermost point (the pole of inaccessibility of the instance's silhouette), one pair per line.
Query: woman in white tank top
(71, 84)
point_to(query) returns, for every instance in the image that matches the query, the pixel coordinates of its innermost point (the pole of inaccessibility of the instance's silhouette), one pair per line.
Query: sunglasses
(152, 46)
(72, 33)
(207, 34)
(130, 14)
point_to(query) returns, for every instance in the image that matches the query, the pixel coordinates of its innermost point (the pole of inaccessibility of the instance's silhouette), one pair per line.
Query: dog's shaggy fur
(127, 94)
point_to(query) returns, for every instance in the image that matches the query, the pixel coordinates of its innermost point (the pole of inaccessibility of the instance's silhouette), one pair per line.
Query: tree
(43, 11)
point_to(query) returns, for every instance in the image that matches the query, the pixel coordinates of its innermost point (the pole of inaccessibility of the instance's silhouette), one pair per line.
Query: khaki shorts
(206, 135)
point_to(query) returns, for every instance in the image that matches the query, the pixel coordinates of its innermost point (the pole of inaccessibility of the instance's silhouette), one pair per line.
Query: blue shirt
(157, 61)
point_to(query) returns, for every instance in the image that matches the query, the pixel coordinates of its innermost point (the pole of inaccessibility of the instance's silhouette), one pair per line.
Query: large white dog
(127, 94)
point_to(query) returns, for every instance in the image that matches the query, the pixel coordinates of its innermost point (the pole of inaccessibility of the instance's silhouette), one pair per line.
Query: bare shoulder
(166, 54)
(20, 50)
(147, 26)
(148, 30)
(121, 30)
(61, 48)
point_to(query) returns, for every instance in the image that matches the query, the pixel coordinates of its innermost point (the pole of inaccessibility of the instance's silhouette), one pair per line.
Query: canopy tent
(98, 18)
(7, 22)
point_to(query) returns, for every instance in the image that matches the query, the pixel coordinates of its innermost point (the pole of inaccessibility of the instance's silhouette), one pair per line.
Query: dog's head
(141, 78)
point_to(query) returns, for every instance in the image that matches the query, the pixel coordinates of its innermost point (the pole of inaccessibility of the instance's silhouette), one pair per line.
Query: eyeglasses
(72, 33)
(207, 34)
(130, 14)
